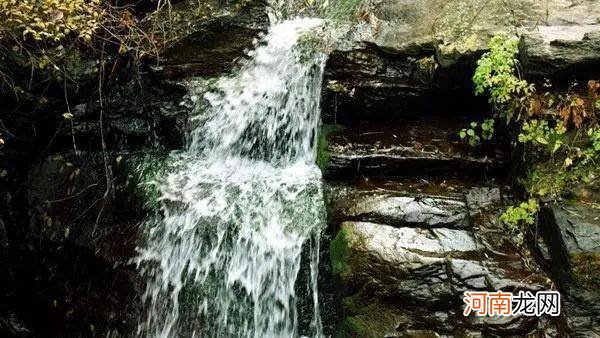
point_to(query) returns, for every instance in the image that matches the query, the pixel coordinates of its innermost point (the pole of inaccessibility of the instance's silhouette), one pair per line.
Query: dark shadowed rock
(420, 146)
(572, 232)
(215, 45)
(75, 278)
(571, 235)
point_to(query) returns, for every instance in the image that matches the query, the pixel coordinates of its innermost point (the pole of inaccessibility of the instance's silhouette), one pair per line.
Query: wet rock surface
(419, 276)
(409, 146)
(402, 268)
(415, 213)
(403, 202)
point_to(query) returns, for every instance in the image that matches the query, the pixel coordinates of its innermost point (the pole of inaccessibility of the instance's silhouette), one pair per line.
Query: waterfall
(245, 198)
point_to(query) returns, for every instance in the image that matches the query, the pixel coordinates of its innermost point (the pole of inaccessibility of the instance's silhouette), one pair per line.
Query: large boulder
(562, 53)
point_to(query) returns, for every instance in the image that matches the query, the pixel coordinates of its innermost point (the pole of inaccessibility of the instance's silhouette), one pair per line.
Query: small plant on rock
(478, 132)
(497, 74)
(541, 134)
(516, 218)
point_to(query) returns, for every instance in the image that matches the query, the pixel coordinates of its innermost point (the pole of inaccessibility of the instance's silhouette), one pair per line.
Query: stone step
(410, 202)
(427, 146)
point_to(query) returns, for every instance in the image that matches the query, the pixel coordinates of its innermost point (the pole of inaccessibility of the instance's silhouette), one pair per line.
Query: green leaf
(556, 146)
(541, 140)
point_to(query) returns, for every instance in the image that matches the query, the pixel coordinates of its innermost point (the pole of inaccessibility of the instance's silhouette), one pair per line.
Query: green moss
(322, 152)
(342, 10)
(339, 250)
(586, 270)
(376, 320)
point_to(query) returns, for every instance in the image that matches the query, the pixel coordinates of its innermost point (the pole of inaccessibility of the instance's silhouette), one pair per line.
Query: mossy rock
(339, 250)
(323, 154)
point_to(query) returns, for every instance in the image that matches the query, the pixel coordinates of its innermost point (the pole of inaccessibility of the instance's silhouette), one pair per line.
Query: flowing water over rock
(223, 257)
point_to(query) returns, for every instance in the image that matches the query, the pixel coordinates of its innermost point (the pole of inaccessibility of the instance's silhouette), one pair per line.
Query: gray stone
(422, 273)
(572, 51)
(479, 198)
(397, 208)
(572, 233)
(406, 56)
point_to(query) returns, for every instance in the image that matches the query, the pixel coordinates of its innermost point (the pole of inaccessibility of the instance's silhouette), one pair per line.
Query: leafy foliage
(540, 133)
(496, 75)
(50, 19)
(557, 153)
(516, 218)
(573, 110)
(477, 132)
(523, 214)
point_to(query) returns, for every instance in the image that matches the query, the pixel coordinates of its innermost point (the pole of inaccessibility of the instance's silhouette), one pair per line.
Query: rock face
(406, 274)
(418, 276)
(571, 250)
(76, 278)
(224, 38)
(415, 211)
(407, 57)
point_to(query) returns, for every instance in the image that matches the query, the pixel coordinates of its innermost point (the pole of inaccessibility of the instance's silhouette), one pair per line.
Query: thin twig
(69, 110)
(107, 170)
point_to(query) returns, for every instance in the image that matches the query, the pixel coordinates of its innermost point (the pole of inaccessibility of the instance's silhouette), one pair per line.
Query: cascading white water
(222, 259)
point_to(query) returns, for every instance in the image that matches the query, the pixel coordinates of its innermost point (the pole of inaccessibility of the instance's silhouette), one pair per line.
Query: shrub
(520, 215)
(497, 75)
(50, 19)
(541, 134)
